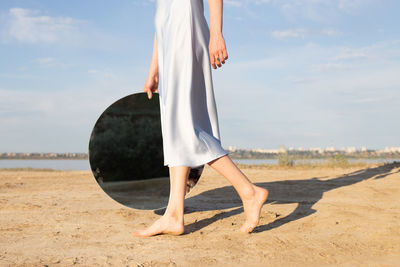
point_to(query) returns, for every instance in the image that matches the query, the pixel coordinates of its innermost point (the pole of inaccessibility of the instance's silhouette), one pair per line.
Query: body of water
(84, 164)
(56, 164)
(275, 161)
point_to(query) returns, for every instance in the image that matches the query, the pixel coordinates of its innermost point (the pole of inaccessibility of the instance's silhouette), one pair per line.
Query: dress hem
(194, 165)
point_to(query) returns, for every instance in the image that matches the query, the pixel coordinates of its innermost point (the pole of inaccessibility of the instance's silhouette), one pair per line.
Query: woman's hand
(151, 85)
(217, 49)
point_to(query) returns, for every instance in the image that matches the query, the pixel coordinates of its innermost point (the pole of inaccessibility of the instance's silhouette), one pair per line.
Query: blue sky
(300, 73)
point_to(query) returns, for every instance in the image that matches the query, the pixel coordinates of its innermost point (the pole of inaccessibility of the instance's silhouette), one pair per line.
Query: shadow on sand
(304, 193)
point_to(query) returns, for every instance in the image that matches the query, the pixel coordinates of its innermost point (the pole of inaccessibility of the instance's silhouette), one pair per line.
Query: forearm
(215, 8)
(154, 60)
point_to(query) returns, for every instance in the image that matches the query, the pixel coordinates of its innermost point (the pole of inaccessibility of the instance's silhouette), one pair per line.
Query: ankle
(249, 192)
(174, 216)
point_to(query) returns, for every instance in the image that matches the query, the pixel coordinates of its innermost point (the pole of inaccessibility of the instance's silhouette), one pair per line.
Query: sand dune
(314, 217)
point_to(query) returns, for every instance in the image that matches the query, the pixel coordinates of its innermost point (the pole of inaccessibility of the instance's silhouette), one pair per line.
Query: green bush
(285, 160)
(339, 160)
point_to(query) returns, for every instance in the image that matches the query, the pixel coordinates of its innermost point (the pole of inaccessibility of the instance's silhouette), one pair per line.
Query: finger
(218, 61)
(149, 94)
(212, 60)
(221, 57)
(225, 54)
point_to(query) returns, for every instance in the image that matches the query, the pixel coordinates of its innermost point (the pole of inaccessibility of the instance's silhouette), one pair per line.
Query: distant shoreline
(312, 165)
(294, 156)
(247, 154)
(33, 158)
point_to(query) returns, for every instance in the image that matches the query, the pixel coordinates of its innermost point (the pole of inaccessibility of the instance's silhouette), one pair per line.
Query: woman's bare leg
(253, 197)
(172, 221)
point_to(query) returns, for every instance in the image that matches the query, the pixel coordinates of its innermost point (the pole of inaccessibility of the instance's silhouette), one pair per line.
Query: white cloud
(302, 33)
(316, 10)
(261, 63)
(233, 3)
(106, 74)
(350, 6)
(56, 119)
(299, 80)
(377, 53)
(349, 54)
(45, 60)
(330, 32)
(375, 99)
(317, 84)
(327, 67)
(293, 33)
(144, 2)
(52, 62)
(313, 66)
(237, 3)
(28, 26)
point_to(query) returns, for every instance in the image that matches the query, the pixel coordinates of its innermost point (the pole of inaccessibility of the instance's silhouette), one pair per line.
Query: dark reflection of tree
(126, 142)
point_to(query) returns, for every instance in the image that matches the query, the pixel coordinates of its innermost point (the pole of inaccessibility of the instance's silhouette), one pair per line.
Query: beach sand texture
(314, 217)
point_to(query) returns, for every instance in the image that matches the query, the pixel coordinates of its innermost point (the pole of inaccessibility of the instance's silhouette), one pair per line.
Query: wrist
(153, 68)
(215, 32)
(153, 72)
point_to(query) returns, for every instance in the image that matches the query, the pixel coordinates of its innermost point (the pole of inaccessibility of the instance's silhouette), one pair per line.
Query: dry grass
(30, 169)
(314, 165)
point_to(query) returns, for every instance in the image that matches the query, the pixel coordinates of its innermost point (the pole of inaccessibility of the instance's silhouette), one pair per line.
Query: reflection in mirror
(126, 154)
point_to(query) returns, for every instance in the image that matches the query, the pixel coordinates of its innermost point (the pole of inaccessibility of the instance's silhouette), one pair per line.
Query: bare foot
(164, 225)
(252, 208)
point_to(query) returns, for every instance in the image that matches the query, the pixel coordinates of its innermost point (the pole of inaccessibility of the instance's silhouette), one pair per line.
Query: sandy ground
(314, 217)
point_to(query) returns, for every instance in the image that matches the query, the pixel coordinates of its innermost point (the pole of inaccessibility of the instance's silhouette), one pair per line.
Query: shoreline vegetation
(285, 163)
(286, 158)
(44, 156)
(315, 165)
(296, 154)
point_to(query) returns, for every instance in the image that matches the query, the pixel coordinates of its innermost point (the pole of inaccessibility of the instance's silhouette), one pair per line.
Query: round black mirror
(126, 154)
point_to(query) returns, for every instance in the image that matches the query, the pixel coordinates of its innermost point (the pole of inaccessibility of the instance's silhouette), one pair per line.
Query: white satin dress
(188, 111)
